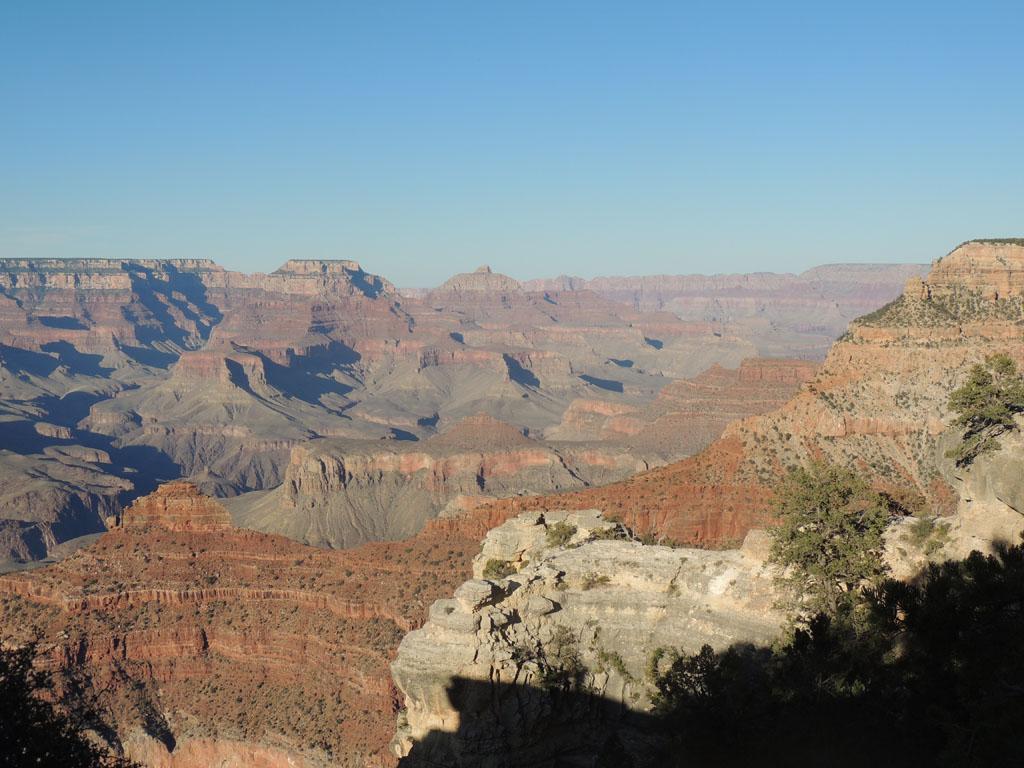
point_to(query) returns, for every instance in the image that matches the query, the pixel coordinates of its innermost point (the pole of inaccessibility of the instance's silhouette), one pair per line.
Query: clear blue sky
(425, 138)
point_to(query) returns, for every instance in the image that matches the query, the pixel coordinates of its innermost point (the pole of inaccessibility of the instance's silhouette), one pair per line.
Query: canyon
(566, 585)
(218, 642)
(117, 375)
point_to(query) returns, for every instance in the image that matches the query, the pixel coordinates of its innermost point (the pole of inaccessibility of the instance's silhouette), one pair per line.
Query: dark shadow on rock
(21, 437)
(606, 384)
(310, 378)
(503, 724)
(154, 358)
(181, 291)
(519, 374)
(69, 409)
(23, 361)
(21, 540)
(77, 362)
(428, 421)
(63, 323)
(369, 285)
(147, 467)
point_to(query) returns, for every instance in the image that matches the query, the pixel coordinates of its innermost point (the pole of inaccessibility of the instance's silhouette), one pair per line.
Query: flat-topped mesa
(483, 279)
(992, 268)
(319, 266)
(975, 291)
(480, 432)
(330, 275)
(177, 506)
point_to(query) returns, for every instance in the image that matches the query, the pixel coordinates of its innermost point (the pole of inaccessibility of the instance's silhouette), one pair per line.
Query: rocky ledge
(566, 601)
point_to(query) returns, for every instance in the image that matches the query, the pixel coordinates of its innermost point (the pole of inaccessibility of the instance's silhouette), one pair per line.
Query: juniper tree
(986, 405)
(829, 534)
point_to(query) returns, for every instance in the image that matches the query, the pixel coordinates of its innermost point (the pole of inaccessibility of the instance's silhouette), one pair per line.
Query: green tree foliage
(38, 728)
(829, 534)
(985, 406)
(935, 676)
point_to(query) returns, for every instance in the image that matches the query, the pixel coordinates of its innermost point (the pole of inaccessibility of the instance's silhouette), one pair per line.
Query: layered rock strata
(782, 314)
(183, 368)
(214, 645)
(340, 494)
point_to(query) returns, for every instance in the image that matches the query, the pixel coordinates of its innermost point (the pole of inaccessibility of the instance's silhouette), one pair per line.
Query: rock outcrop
(481, 279)
(177, 507)
(477, 678)
(688, 414)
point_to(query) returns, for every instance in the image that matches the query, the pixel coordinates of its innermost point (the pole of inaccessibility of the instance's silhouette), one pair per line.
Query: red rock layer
(177, 507)
(230, 644)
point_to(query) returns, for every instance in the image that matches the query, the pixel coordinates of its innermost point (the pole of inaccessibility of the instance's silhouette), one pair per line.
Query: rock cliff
(688, 414)
(343, 493)
(594, 609)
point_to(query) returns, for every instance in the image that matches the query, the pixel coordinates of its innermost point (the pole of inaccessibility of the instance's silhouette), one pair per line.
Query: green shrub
(928, 534)
(498, 569)
(560, 533)
(591, 580)
(561, 666)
